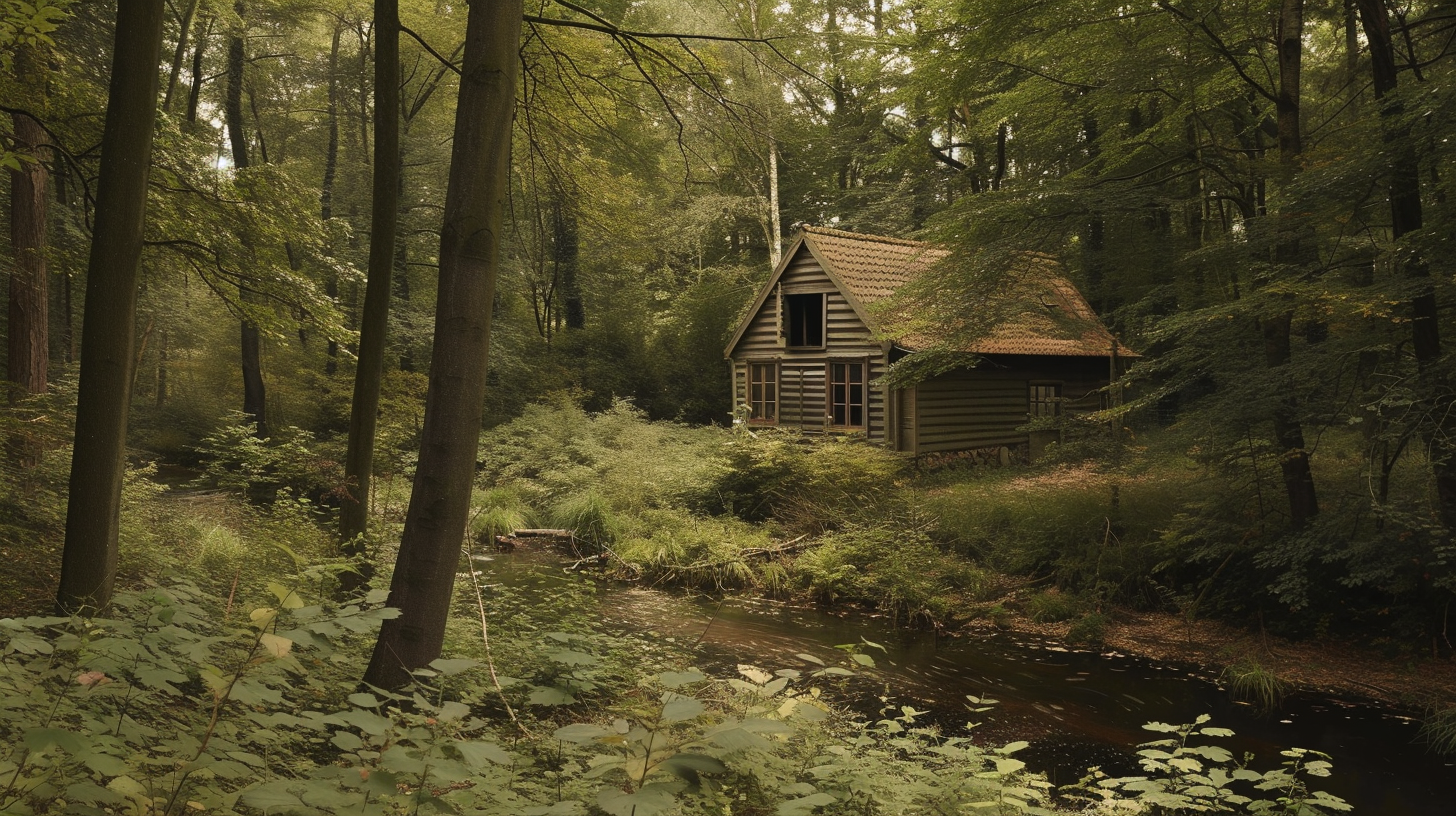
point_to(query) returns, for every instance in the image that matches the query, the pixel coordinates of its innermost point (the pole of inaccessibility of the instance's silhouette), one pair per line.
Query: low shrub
(1089, 630)
(288, 464)
(805, 484)
(701, 551)
(900, 571)
(1053, 606)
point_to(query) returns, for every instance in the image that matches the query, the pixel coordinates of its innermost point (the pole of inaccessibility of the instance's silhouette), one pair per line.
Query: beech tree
(28, 328)
(108, 337)
(359, 462)
(429, 551)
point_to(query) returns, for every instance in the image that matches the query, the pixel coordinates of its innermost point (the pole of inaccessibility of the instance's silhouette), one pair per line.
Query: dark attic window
(806, 320)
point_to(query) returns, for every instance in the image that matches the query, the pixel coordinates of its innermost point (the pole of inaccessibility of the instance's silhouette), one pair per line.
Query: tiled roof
(872, 267)
(1045, 314)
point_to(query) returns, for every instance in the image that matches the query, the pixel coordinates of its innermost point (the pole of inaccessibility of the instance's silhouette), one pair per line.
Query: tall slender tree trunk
(28, 341)
(88, 562)
(1407, 215)
(400, 282)
(429, 552)
(184, 29)
(359, 459)
(255, 395)
(194, 87)
(566, 252)
(775, 220)
(326, 189)
(1276, 329)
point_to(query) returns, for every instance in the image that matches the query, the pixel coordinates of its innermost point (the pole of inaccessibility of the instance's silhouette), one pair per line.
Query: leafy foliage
(1183, 777)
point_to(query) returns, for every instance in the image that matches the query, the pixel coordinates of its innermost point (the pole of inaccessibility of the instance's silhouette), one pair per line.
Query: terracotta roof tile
(1051, 317)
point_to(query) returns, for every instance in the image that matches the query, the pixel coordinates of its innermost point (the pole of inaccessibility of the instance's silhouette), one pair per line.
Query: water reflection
(1077, 708)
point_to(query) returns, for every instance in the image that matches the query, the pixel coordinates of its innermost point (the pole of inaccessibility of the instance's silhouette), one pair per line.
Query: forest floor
(1331, 666)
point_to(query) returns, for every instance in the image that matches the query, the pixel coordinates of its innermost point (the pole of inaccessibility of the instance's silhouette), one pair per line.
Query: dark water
(1077, 708)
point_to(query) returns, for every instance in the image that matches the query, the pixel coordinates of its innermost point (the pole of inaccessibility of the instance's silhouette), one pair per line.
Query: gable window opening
(1045, 400)
(804, 320)
(846, 395)
(763, 393)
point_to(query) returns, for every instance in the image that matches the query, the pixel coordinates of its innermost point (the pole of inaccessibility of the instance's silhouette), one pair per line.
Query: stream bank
(1076, 707)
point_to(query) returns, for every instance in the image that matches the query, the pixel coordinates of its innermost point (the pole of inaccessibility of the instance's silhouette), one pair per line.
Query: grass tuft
(1439, 730)
(1251, 683)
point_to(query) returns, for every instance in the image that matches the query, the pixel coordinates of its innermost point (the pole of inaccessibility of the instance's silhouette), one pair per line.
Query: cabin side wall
(802, 372)
(984, 406)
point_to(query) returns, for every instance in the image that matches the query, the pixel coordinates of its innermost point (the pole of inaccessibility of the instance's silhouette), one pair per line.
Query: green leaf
(805, 804)
(547, 696)
(93, 794)
(453, 710)
(567, 657)
(810, 658)
(688, 766)
(105, 764)
(454, 665)
(738, 739)
(651, 799)
(366, 721)
(288, 598)
(39, 739)
(347, 741)
(364, 699)
(680, 708)
(271, 796)
(679, 679)
(477, 754)
(1006, 766)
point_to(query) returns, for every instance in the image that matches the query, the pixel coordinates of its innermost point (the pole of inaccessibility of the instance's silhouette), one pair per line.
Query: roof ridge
(861, 236)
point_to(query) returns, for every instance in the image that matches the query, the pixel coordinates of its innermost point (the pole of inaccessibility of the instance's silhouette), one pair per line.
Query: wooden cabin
(810, 350)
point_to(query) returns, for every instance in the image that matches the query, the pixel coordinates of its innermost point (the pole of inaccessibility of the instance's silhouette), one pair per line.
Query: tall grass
(1064, 522)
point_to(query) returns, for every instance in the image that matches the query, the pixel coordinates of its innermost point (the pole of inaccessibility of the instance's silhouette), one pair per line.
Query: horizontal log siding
(976, 408)
(969, 409)
(802, 371)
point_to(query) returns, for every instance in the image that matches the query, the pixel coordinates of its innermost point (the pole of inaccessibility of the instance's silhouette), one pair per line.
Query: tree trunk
(28, 342)
(429, 552)
(1407, 215)
(184, 28)
(326, 189)
(194, 89)
(1288, 431)
(255, 395)
(566, 249)
(88, 563)
(359, 460)
(400, 282)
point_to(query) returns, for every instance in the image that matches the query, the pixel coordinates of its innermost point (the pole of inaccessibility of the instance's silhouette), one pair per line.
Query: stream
(1076, 707)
